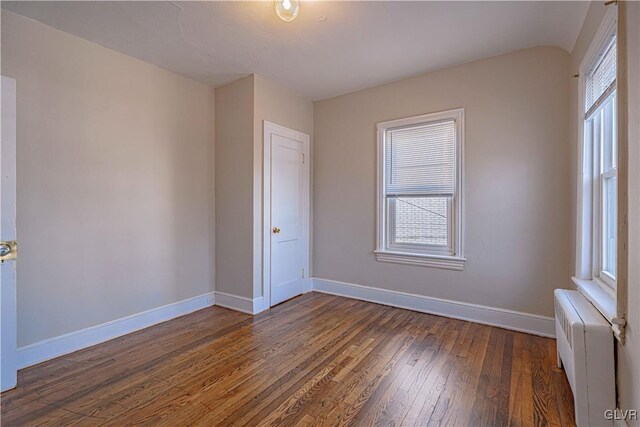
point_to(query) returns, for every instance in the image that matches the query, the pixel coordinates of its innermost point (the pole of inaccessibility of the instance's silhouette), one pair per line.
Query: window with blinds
(420, 159)
(600, 82)
(601, 141)
(420, 184)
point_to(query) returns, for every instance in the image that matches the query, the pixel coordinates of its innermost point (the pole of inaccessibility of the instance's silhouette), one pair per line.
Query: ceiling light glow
(287, 10)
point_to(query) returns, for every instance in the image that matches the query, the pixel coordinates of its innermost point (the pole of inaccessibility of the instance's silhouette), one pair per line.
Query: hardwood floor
(315, 360)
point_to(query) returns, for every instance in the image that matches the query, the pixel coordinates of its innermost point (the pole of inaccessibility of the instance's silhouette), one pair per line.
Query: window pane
(614, 130)
(609, 226)
(608, 135)
(422, 220)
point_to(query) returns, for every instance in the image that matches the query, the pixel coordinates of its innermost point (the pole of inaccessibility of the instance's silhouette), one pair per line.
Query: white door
(8, 367)
(288, 214)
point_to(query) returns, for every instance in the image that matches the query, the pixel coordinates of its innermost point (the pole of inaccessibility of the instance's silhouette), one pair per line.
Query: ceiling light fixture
(287, 10)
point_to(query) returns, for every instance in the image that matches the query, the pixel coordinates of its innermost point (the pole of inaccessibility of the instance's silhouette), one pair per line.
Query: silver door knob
(5, 249)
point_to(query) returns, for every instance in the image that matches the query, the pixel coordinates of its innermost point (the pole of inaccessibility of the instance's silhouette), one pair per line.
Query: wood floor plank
(485, 407)
(428, 390)
(317, 360)
(421, 363)
(546, 410)
(456, 401)
(527, 414)
(376, 409)
(517, 378)
(442, 376)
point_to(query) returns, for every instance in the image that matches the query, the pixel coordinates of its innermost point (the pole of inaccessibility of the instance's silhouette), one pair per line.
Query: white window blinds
(601, 80)
(420, 159)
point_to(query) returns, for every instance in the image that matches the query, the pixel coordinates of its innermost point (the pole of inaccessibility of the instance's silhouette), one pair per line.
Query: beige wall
(275, 104)
(113, 182)
(241, 108)
(517, 181)
(234, 188)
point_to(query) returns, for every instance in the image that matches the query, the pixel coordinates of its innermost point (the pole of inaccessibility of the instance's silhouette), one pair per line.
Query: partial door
(288, 214)
(8, 246)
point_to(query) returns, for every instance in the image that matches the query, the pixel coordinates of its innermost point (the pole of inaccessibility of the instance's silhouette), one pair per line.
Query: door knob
(5, 249)
(276, 230)
(8, 250)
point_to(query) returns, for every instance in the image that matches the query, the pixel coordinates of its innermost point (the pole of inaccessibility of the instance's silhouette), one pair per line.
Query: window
(596, 254)
(600, 135)
(420, 190)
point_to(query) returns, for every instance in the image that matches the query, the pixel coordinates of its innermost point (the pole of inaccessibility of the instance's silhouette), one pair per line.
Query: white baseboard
(33, 354)
(54, 347)
(259, 305)
(248, 305)
(508, 319)
(241, 304)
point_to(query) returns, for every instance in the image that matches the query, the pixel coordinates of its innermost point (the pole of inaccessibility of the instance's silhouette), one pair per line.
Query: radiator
(586, 351)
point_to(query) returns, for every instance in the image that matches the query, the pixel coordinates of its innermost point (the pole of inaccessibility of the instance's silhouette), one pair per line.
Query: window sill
(601, 299)
(434, 261)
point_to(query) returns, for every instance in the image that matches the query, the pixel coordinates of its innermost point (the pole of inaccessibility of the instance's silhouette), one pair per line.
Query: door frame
(8, 378)
(269, 129)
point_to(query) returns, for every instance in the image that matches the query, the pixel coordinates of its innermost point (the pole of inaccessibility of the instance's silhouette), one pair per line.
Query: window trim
(588, 224)
(403, 254)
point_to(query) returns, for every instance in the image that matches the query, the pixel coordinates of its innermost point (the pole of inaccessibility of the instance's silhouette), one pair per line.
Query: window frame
(403, 253)
(598, 234)
(590, 279)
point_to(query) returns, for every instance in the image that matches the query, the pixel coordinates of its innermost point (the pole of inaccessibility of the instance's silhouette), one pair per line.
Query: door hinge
(303, 158)
(303, 273)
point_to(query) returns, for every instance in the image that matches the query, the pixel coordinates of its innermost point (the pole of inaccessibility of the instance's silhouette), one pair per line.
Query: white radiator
(586, 350)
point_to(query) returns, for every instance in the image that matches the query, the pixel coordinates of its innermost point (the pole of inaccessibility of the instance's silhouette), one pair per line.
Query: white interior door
(288, 214)
(8, 366)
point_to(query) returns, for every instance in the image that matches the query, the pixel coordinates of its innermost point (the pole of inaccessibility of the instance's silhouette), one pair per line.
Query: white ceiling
(332, 48)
